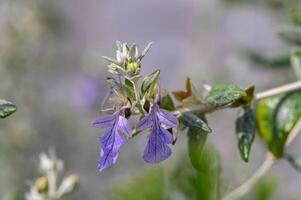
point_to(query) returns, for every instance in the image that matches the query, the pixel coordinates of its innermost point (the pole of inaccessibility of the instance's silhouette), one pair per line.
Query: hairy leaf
(245, 132)
(6, 108)
(226, 94)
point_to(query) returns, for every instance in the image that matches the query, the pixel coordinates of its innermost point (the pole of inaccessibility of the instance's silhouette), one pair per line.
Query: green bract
(6, 108)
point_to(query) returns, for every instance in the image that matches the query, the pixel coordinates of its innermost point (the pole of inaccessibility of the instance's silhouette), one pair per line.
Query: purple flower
(158, 120)
(113, 139)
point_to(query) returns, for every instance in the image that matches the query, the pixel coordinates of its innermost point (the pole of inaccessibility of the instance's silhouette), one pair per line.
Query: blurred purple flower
(86, 91)
(112, 140)
(157, 149)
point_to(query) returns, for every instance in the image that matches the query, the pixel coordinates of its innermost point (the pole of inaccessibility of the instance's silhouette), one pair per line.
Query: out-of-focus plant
(274, 113)
(46, 186)
(6, 108)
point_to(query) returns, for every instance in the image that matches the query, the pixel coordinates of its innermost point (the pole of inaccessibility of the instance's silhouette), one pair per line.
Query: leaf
(181, 95)
(147, 186)
(113, 83)
(296, 62)
(111, 60)
(290, 33)
(276, 117)
(245, 132)
(222, 95)
(201, 184)
(145, 51)
(130, 89)
(149, 82)
(6, 108)
(167, 102)
(270, 59)
(265, 189)
(198, 130)
(192, 121)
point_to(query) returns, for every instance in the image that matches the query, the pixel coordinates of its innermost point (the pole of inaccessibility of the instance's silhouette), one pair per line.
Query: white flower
(50, 163)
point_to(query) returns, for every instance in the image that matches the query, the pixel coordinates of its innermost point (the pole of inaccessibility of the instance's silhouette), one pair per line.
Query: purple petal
(167, 118)
(156, 149)
(124, 126)
(112, 140)
(167, 136)
(108, 159)
(106, 121)
(144, 123)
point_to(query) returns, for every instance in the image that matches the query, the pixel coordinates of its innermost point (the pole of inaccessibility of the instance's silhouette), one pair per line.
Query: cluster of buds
(45, 186)
(132, 94)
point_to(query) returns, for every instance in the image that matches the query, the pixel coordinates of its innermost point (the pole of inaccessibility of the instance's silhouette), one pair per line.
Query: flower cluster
(130, 96)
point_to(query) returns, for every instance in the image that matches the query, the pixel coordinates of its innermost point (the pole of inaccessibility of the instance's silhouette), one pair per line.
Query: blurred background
(51, 67)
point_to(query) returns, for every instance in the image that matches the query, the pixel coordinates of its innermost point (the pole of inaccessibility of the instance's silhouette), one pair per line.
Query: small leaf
(245, 132)
(113, 83)
(167, 102)
(149, 82)
(296, 62)
(181, 95)
(192, 121)
(130, 89)
(6, 108)
(291, 34)
(146, 49)
(222, 95)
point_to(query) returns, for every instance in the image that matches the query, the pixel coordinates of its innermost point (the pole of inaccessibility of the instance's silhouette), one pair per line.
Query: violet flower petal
(104, 122)
(167, 118)
(144, 123)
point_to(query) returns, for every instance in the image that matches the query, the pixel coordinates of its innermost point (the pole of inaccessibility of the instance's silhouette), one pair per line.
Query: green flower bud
(41, 184)
(133, 68)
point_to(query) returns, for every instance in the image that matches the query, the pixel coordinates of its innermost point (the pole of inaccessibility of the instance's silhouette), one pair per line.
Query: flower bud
(41, 184)
(133, 68)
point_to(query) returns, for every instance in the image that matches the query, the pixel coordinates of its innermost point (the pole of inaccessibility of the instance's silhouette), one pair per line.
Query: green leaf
(296, 62)
(245, 132)
(167, 102)
(198, 130)
(130, 89)
(270, 59)
(222, 95)
(133, 50)
(290, 34)
(276, 117)
(193, 121)
(265, 189)
(6, 108)
(201, 184)
(149, 82)
(147, 186)
(13, 195)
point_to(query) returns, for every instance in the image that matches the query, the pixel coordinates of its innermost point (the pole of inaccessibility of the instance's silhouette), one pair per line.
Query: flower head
(112, 140)
(158, 120)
